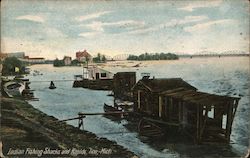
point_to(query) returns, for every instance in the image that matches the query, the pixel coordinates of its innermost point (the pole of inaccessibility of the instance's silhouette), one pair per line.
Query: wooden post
(170, 108)
(180, 113)
(80, 122)
(198, 124)
(139, 99)
(229, 121)
(160, 106)
(201, 121)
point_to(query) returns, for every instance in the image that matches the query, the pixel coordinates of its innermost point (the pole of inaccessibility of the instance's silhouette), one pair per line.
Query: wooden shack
(147, 91)
(123, 83)
(175, 103)
(203, 116)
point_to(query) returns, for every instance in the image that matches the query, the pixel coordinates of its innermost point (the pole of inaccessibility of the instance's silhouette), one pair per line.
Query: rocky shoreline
(26, 131)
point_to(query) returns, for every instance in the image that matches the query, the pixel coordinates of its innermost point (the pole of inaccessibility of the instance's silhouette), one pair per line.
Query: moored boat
(149, 129)
(14, 88)
(52, 85)
(109, 109)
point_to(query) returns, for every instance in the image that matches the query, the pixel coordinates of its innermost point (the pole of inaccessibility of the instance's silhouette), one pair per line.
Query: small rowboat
(107, 108)
(14, 88)
(149, 129)
(52, 87)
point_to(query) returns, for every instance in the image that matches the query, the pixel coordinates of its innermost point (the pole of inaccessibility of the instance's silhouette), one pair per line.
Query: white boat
(14, 88)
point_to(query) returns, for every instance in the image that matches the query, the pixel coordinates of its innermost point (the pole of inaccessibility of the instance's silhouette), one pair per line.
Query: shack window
(103, 75)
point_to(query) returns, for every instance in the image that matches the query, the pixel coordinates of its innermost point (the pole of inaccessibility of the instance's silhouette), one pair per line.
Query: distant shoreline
(213, 55)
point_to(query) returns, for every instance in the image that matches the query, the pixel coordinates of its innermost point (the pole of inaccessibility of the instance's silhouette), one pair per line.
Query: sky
(55, 28)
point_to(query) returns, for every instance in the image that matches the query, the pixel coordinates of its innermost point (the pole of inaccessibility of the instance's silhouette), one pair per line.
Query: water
(223, 76)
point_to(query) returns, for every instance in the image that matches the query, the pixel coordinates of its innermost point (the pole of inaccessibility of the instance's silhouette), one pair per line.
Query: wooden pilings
(229, 121)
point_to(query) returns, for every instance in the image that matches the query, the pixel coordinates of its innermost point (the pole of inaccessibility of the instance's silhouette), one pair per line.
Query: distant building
(3, 56)
(67, 60)
(93, 72)
(19, 55)
(33, 60)
(83, 56)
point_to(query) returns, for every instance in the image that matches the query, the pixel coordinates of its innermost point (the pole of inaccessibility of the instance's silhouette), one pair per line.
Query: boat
(109, 109)
(149, 129)
(127, 106)
(14, 88)
(52, 85)
(94, 78)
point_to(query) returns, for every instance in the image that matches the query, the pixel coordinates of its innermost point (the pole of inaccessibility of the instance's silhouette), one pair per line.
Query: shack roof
(163, 84)
(197, 97)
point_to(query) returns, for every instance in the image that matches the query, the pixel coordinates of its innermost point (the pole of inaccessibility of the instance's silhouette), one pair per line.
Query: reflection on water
(223, 76)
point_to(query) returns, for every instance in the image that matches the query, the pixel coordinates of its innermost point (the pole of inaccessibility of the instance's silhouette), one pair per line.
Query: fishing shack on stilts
(174, 103)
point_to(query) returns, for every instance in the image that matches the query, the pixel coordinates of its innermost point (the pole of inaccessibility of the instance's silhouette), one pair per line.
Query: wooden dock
(82, 115)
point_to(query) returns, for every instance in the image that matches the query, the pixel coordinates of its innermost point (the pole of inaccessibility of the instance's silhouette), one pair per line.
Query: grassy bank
(27, 131)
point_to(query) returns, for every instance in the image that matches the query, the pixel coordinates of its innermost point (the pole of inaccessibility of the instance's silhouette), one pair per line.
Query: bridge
(121, 57)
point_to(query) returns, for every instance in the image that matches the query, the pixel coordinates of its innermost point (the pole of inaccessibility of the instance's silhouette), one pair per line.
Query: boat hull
(14, 88)
(101, 84)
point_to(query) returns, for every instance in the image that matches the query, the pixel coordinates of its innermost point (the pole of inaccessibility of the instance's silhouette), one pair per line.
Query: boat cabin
(92, 72)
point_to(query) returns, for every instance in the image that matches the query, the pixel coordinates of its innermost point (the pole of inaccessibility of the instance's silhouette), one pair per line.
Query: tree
(10, 64)
(104, 58)
(75, 62)
(157, 56)
(58, 63)
(99, 58)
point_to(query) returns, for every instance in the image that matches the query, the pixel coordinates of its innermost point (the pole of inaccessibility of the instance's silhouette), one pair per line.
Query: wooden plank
(180, 113)
(204, 123)
(160, 106)
(139, 99)
(210, 100)
(235, 108)
(69, 119)
(198, 124)
(102, 113)
(172, 90)
(161, 122)
(195, 96)
(179, 93)
(229, 121)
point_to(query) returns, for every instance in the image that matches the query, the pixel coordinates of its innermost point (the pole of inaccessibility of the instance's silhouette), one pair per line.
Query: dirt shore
(28, 132)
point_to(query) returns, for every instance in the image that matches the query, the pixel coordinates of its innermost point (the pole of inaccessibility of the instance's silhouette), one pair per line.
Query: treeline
(13, 66)
(58, 63)
(156, 56)
(100, 58)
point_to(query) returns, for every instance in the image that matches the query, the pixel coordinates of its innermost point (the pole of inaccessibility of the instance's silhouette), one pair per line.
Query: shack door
(97, 76)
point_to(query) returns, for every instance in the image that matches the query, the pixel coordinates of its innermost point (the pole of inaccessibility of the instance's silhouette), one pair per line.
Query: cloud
(203, 27)
(201, 4)
(97, 27)
(91, 16)
(33, 18)
(187, 19)
(88, 34)
(172, 23)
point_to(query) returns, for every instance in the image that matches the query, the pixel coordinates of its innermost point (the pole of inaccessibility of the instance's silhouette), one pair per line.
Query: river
(223, 76)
